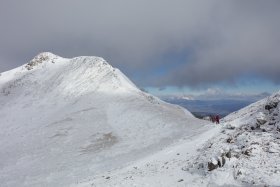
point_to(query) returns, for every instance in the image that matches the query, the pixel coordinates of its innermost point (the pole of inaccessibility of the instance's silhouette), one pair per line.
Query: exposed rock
(247, 152)
(230, 140)
(261, 121)
(40, 58)
(271, 105)
(228, 154)
(213, 164)
(221, 161)
(239, 173)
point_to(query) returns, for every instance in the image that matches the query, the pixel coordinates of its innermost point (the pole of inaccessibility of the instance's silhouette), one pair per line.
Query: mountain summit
(65, 120)
(49, 74)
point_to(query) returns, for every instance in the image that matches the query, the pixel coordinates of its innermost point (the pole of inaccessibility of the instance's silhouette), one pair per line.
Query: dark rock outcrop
(212, 165)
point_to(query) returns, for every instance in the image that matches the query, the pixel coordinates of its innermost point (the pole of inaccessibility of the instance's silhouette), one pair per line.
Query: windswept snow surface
(246, 145)
(168, 167)
(64, 121)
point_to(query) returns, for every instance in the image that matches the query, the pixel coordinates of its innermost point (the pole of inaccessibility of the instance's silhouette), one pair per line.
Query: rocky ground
(247, 147)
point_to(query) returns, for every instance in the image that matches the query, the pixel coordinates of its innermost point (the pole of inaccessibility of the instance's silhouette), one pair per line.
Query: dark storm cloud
(223, 39)
(246, 44)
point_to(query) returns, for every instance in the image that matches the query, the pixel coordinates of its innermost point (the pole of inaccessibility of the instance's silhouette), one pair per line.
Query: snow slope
(65, 120)
(246, 145)
(251, 138)
(167, 167)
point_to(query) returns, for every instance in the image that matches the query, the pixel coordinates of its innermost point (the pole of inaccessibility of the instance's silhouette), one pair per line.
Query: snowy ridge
(53, 73)
(65, 120)
(253, 111)
(249, 143)
(243, 151)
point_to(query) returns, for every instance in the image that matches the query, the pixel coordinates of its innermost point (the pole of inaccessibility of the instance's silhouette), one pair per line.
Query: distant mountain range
(204, 105)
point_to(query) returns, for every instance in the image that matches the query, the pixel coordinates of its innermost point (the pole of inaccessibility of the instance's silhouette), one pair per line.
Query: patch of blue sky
(171, 60)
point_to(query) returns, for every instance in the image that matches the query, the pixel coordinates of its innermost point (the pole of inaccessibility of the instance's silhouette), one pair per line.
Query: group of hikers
(215, 119)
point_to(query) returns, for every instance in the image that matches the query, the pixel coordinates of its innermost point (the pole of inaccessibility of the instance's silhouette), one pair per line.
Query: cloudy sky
(164, 46)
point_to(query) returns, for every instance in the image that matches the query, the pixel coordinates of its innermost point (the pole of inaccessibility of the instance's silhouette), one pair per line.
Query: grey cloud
(227, 39)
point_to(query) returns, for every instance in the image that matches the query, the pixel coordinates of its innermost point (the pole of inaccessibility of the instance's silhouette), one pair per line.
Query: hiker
(213, 119)
(217, 119)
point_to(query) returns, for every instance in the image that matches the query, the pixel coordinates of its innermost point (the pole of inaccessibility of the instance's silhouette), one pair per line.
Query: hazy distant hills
(210, 107)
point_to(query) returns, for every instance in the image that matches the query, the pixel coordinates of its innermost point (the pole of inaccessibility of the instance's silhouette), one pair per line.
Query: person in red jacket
(217, 119)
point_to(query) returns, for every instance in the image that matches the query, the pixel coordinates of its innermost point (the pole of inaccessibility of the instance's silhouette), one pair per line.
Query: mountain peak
(71, 76)
(77, 117)
(41, 58)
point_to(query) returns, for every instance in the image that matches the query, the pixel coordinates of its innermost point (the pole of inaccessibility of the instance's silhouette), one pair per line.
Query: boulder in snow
(221, 161)
(271, 105)
(261, 121)
(228, 154)
(212, 164)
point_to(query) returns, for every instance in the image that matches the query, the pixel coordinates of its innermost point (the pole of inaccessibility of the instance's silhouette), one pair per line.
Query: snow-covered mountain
(64, 121)
(244, 150)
